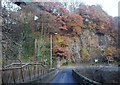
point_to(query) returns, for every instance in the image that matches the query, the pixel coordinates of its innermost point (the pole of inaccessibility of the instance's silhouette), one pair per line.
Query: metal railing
(22, 72)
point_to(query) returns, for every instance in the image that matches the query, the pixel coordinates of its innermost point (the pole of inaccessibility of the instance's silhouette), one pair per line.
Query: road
(64, 76)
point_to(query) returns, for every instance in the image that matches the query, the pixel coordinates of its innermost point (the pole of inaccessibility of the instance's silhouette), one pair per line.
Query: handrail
(8, 65)
(24, 65)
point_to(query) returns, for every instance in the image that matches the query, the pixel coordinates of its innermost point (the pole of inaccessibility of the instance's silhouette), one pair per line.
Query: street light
(51, 34)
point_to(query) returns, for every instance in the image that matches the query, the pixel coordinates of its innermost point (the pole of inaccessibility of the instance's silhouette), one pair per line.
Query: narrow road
(64, 76)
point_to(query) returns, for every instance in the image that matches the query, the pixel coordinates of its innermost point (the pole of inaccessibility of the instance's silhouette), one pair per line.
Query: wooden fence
(22, 72)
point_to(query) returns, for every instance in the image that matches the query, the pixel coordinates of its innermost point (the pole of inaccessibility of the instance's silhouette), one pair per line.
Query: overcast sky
(110, 6)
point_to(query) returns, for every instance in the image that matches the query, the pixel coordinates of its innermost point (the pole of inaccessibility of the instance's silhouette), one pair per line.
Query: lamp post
(51, 35)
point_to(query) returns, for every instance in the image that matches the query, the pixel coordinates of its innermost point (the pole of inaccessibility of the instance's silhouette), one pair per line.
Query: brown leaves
(110, 51)
(77, 30)
(63, 28)
(85, 54)
(96, 14)
(62, 41)
(75, 20)
(61, 52)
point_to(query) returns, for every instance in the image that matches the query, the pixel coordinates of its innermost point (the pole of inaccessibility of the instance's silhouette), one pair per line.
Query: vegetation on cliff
(87, 34)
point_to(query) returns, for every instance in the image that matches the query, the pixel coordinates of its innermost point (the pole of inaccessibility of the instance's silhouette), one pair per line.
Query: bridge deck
(64, 76)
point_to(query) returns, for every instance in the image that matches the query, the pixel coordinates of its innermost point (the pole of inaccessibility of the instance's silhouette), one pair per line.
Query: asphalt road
(64, 76)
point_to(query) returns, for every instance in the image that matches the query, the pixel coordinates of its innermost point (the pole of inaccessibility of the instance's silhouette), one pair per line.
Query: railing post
(2, 78)
(38, 70)
(34, 72)
(13, 76)
(42, 71)
(8, 81)
(29, 73)
(22, 75)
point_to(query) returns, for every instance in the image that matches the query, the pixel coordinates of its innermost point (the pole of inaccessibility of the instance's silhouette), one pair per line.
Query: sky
(110, 6)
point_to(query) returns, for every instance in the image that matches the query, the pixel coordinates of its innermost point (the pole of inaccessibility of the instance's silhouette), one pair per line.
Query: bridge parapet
(97, 75)
(84, 80)
(47, 77)
(22, 72)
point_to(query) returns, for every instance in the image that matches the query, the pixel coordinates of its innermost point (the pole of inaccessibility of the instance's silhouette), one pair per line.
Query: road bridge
(16, 73)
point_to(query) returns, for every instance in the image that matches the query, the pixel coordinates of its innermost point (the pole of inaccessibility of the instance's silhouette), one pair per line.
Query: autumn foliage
(84, 25)
(110, 52)
(61, 52)
(77, 33)
(85, 54)
(98, 19)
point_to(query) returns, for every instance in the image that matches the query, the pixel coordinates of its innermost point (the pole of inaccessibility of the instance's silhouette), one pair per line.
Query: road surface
(64, 76)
